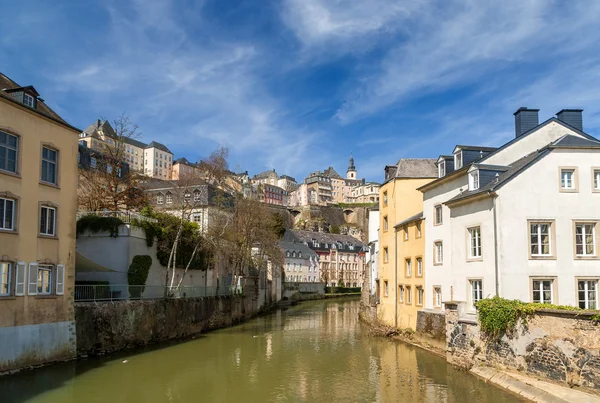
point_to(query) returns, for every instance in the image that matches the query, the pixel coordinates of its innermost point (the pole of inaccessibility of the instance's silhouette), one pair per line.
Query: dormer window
(458, 162)
(28, 100)
(441, 169)
(474, 180)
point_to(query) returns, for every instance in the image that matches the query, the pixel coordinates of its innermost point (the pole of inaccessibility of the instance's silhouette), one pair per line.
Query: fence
(126, 216)
(89, 293)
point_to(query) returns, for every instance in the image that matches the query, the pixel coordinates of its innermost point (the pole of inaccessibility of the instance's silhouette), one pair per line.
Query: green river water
(315, 352)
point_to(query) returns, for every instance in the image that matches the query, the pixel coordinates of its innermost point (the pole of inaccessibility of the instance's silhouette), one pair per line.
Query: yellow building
(38, 202)
(400, 200)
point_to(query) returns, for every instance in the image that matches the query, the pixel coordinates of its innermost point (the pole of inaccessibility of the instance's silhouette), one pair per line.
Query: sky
(300, 85)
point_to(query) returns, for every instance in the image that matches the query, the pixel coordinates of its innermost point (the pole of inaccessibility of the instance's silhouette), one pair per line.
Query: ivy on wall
(138, 274)
(95, 224)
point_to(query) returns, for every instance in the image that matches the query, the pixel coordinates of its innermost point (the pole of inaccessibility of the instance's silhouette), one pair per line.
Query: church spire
(351, 172)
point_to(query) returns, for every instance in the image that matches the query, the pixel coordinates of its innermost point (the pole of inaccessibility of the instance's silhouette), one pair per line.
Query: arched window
(196, 195)
(169, 198)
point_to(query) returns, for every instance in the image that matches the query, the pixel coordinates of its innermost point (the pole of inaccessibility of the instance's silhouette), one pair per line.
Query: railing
(90, 293)
(126, 216)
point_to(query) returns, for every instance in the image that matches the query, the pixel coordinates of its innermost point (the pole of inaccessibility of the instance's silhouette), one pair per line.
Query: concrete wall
(111, 326)
(563, 346)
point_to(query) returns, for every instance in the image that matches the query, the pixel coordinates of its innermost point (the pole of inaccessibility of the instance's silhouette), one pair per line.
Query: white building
(520, 221)
(301, 263)
(372, 256)
(299, 196)
(158, 161)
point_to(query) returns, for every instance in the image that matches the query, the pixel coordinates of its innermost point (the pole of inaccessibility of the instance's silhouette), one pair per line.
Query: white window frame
(401, 293)
(442, 169)
(408, 267)
(584, 235)
(28, 100)
(458, 161)
(438, 219)
(474, 180)
(49, 164)
(586, 290)
(45, 268)
(44, 227)
(169, 198)
(420, 296)
(475, 250)
(197, 195)
(438, 255)
(3, 226)
(475, 292)
(564, 181)
(538, 234)
(160, 198)
(386, 288)
(541, 290)
(8, 148)
(8, 283)
(437, 297)
(419, 267)
(409, 295)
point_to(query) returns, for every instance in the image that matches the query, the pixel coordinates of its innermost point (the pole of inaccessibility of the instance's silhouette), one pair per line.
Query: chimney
(98, 124)
(572, 117)
(525, 120)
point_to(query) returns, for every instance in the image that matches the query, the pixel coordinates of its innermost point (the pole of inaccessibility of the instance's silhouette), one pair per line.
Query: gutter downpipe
(493, 195)
(395, 278)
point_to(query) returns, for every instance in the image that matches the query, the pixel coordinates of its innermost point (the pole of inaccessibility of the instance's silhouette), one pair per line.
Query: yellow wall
(25, 244)
(413, 249)
(403, 201)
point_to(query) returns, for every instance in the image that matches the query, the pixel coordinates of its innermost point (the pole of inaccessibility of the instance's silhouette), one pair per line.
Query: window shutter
(60, 279)
(33, 274)
(20, 279)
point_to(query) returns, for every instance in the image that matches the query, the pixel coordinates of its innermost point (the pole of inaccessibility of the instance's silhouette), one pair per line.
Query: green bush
(341, 290)
(138, 274)
(96, 224)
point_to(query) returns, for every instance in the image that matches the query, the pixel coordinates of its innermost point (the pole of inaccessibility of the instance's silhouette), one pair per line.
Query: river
(315, 352)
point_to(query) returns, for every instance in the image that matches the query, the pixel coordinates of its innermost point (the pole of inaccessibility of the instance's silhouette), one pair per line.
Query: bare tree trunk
(188, 264)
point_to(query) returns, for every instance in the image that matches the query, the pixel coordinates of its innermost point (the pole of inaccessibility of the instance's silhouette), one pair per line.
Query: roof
(154, 184)
(287, 177)
(321, 237)
(265, 174)
(487, 167)
(159, 146)
(416, 217)
(182, 160)
(476, 148)
(296, 247)
(134, 142)
(331, 173)
(513, 170)
(571, 141)
(41, 107)
(416, 168)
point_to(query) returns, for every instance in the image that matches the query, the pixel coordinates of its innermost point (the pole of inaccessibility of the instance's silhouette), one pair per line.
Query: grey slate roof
(292, 246)
(331, 173)
(321, 237)
(492, 167)
(575, 141)
(476, 148)
(134, 142)
(416, 217)
(416, 168)
(264, 174)
(159, 146)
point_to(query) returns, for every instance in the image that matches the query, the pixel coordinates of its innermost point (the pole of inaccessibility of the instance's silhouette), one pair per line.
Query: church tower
(351, 173)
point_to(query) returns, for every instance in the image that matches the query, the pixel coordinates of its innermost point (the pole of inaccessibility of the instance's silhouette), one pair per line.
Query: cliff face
(348, 220)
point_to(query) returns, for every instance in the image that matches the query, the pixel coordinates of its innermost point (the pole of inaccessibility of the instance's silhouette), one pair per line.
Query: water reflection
(316, 352)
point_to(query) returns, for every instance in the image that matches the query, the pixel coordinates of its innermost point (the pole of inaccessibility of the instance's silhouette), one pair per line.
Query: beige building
(38, 202)
(182, 168)
(367, 192)
(158, 161)
(318, 188)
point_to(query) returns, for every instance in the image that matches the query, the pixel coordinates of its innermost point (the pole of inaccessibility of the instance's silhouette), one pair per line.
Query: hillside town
(398, 234)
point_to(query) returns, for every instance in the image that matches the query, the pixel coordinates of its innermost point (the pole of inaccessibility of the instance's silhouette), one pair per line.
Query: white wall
(373, 237)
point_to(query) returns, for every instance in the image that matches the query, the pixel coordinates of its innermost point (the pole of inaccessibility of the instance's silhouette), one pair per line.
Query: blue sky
(298, 85)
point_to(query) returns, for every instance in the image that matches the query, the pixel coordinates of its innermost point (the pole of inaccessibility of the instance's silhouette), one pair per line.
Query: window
(543, 291)
(419, 267)
(474, 180)
(47, 221)
(385, 288)
(92, 162)
(406, 232)
(9, 146)
(540, 239)
(7, 214)
(197, 218)
(568, 180)
(160, 199)
(441, 169)
(419, 295)
(595, 177)
(585, 239)
(5, 278)
(438, 217)
(475, 242)
(44, 279)
(418, 229)
(458, 160)
(437, 297)
(197, 195)
(408, 295)
(385, 223)
(587, 294)
(49, 161)
(385, 255)
(169, 198)
(476, 292)
(187, 197)
(385, 199)
(438, 252)
(28, 100)
(408, 268)
(401, 293)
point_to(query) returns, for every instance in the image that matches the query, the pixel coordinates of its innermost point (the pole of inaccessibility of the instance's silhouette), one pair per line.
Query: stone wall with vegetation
(431, 324)
(556, 344)
(104, 327)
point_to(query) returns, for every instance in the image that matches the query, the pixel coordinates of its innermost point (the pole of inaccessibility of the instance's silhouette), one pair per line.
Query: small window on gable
(458, 162)
(474, 180)
(28, 100)
(441, 169)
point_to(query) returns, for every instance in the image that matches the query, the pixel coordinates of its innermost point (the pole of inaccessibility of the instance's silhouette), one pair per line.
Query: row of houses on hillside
(519, 221)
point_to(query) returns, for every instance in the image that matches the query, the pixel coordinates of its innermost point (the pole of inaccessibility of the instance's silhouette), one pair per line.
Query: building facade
(38, 204)
(399, 200)
(519, 221)
(301, 263)
(367, 192)
(158, 161)
(272, 194)
(182, 168)
(318, 188)
(372, 256)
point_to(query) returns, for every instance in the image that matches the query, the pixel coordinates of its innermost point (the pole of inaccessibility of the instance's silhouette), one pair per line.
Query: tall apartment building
(520, 221)
(158, 161)
(318, 188)
(38, 204)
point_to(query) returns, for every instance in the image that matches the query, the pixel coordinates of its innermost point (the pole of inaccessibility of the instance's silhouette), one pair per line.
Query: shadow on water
(27, 384)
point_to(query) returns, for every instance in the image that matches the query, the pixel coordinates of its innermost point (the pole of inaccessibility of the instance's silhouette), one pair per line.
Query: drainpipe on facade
(493, 196)
(395, 278)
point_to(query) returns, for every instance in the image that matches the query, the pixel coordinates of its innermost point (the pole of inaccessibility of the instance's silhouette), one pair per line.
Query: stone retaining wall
(106, 327)
(562, 346)
(432, 324)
